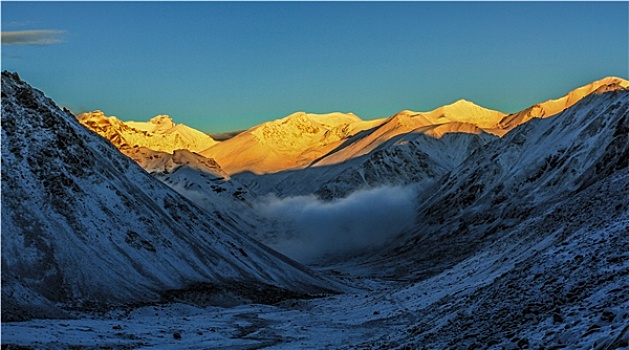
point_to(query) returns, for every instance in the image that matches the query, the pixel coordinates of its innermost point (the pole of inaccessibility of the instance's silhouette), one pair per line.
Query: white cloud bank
(310, 229)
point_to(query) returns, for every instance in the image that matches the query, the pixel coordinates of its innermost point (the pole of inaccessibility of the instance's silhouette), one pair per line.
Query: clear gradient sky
(221, 66)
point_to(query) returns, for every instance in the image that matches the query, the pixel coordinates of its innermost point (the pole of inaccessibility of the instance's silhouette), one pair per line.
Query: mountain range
(302, 139)
(460, 227)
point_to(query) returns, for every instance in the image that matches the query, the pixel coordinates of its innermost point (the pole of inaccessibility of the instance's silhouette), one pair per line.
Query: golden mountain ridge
(305, 139)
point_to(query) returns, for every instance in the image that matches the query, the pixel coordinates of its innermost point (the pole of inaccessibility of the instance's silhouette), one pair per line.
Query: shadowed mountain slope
(84, 225)
(511, 184)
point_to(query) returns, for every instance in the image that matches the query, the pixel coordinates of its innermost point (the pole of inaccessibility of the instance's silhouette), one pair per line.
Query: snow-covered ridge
(463, 111)
(158, 145)
(84, 225)
(461, 116)
(552, 107)
(292, 142)
(158, 134)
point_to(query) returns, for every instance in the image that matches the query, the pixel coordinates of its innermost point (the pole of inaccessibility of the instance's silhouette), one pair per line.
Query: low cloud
(309, 229)
(32, 37)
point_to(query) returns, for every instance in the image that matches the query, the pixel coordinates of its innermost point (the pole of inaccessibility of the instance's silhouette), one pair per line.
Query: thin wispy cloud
(32, 37)
(19, 23)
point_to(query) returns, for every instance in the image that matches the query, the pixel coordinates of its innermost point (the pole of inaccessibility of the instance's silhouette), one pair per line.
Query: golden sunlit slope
(158, 134)
(289, 143)
(438, 130)
(163, 162)
(463, 111)
(463, 116)
(552, 107)
(158, 145)
(460, 116)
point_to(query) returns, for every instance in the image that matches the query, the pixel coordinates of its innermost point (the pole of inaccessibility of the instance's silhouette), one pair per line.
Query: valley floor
(470, 305)
(331, 322)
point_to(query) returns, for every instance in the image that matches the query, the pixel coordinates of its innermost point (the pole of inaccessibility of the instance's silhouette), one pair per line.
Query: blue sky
(220, 66)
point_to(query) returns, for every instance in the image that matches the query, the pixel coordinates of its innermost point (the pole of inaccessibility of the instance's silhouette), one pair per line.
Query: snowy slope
(84, 225)
(416, 159)
(557, 280)
(459, 117)
(225, 198)
(463, 111)
(163, 162)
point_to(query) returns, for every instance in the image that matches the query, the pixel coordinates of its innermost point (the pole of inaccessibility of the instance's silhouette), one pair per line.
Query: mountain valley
(457, 228)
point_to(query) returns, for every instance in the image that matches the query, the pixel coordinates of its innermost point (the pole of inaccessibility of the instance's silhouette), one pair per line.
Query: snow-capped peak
(158, 134)
(156, 124)
(466, 112)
